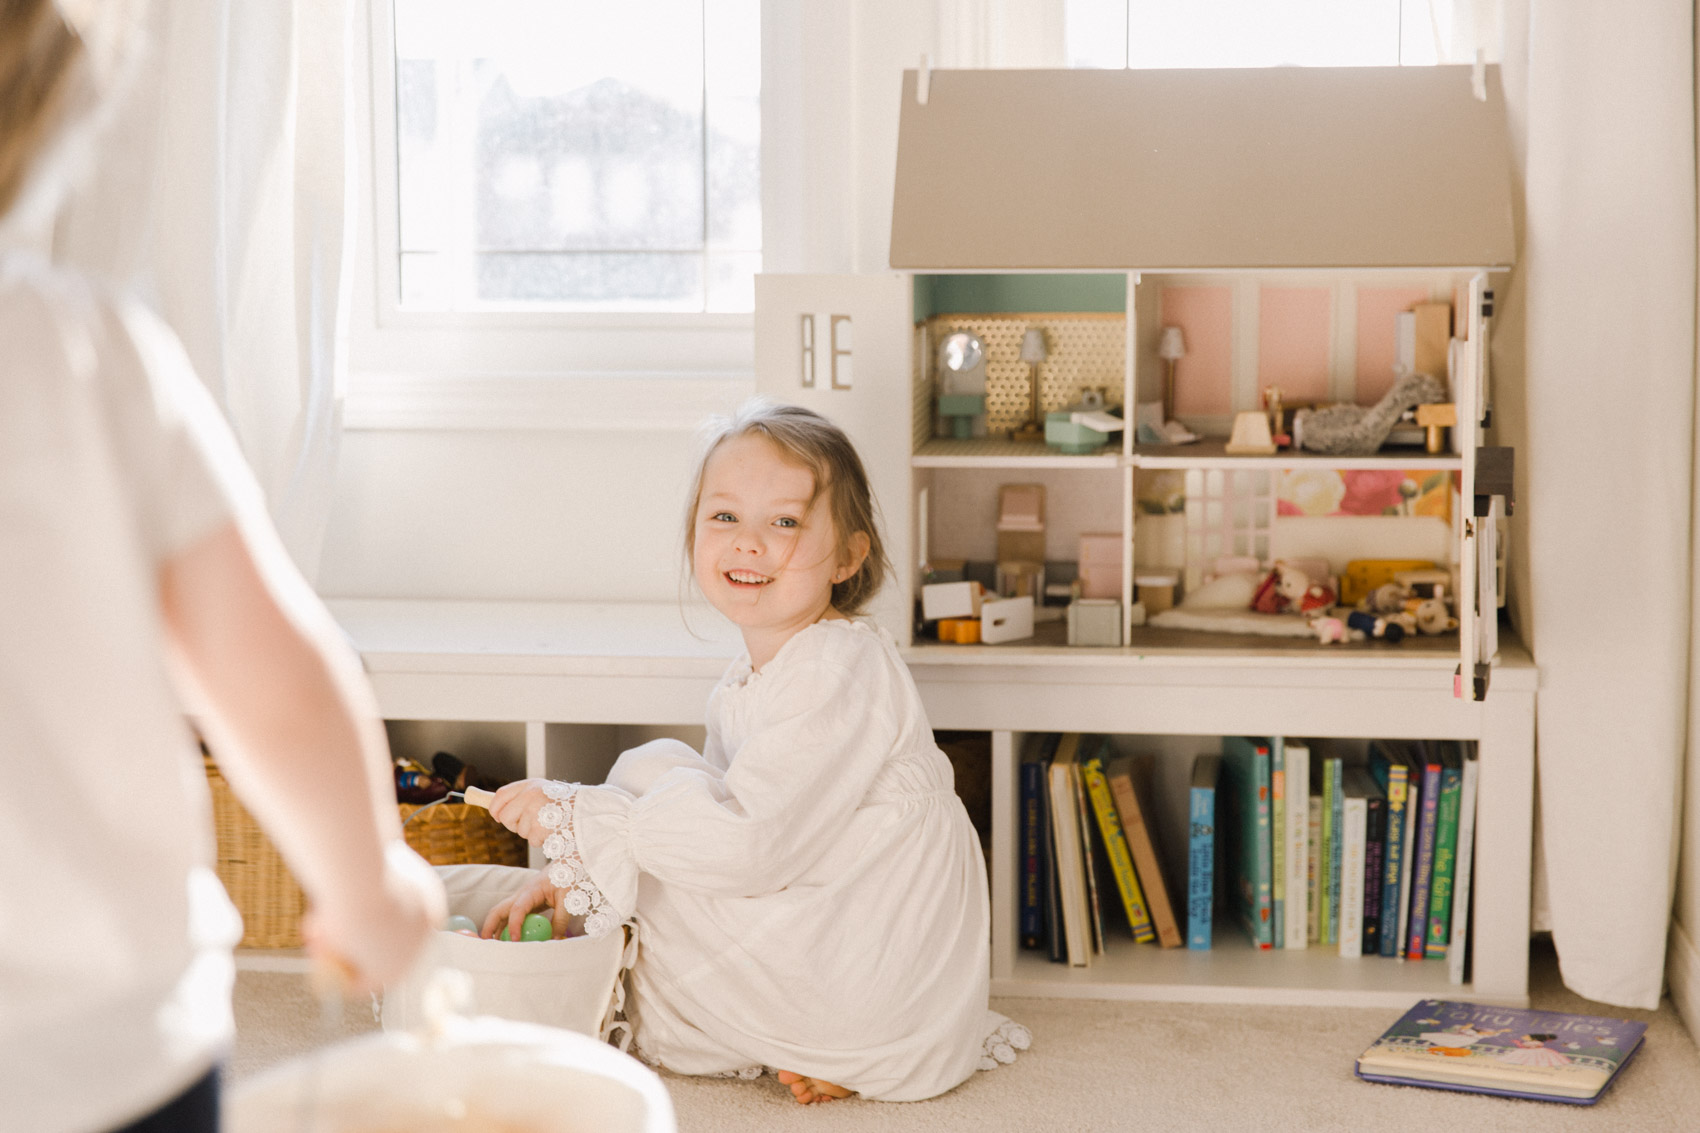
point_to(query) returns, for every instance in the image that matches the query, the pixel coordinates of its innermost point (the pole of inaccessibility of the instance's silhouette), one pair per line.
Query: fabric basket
(573, 984)
(470, 1074)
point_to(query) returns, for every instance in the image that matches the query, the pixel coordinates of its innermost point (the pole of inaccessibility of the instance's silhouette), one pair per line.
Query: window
(1265, 33)
(563, 155)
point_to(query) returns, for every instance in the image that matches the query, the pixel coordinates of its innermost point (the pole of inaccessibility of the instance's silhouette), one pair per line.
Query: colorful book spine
(1422, 869)
(1120, 773)
(1375, 850)
(1333, 815)
(1392, 776)
(1116, 848)
(1201, 850)
(1278, 841)
(1314, 869)
(1298, 843)
(1032, 834)
(1245, 762)
(1445, 855)
(1455, 949)
(1090, 854)
(1413, 809)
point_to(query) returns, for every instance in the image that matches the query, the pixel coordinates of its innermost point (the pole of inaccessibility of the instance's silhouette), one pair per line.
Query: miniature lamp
(1033, 352)
(1171, 348)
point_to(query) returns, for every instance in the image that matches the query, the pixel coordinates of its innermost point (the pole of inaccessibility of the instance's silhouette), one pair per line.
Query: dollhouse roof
(1287, 167)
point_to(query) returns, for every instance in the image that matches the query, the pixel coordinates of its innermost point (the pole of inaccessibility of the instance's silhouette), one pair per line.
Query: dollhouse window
(574, 157)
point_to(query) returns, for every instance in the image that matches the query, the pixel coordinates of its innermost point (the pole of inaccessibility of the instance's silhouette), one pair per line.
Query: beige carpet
(1114, 1066)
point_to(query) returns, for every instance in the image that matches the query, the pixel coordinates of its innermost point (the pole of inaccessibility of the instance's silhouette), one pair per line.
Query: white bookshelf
(582, 677)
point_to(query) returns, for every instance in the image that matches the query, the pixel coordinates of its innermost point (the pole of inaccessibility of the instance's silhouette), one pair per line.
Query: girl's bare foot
(810, 1090)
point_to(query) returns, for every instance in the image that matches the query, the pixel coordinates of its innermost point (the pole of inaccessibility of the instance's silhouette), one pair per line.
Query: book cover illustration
(1543, 1055)
(1245, 770)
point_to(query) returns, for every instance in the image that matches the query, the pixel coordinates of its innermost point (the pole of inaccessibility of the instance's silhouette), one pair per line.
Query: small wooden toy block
(1100, 565)
(1021, 523)
(1006, 619)
(960, 631)
(950, 600)
(1095, 621)
(1436, 419)
(1251, 435)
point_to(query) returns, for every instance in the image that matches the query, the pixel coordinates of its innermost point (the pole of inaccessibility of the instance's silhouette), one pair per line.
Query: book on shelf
(1097, 880)
(1445, 851)
(1033, 858)
(1354, 827)
(1513, 1052)
(1364, 814)
(1074, 912)
(1245, 775)
(1278, 840)
(1336, 845)
(1413, 810)
(1201, 849)
(1375, 850)
(1296, 832)
(1128, 776)
(1427, 764)
(1116, 849)
(1056, 942)
(1327, 771)
(1456, 949)
(1314, 886)
(1392, 774)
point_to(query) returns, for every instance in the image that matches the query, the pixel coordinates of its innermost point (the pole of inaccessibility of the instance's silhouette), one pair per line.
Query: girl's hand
(516, 805)
(512, 912)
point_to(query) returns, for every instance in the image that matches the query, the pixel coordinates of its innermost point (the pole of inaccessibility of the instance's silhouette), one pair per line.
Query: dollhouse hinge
(1478, 681)
(1495, 466)
(1487, 304)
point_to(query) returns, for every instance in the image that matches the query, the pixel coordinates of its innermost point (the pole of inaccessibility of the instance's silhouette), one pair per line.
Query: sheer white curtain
(222, 195)
(1596, 356)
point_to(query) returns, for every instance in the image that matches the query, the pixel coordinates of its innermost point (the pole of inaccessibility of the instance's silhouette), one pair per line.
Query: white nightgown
(809, 891)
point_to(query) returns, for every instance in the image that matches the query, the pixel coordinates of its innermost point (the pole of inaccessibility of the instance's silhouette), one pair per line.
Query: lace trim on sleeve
(566, 869)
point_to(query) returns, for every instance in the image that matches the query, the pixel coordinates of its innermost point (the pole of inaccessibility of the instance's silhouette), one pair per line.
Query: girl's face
(762, 555)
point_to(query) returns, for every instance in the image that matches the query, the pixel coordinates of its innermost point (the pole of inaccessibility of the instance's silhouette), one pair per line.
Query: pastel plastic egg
(460, 922)
(503, 935)
(537, 927)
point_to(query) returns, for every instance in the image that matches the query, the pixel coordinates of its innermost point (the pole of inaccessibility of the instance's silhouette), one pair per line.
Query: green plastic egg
(459, 922)
(503, 935)
(537, 927)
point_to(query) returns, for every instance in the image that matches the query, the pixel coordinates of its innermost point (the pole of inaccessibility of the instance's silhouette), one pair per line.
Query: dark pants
(195, 1110)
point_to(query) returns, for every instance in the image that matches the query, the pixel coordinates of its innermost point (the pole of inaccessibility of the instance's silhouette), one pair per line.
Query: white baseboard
(1682, 969)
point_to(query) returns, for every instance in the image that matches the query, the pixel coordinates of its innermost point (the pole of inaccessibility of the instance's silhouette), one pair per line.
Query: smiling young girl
(809, 891)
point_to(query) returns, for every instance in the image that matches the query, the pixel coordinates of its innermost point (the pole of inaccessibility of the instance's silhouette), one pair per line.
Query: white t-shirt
(115, 935)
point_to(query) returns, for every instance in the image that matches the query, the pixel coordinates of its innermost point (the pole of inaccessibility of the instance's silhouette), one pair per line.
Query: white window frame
(517, 368)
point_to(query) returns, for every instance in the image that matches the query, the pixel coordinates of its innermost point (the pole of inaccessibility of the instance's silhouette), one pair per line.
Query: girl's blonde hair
(818, 445)
(39, 53)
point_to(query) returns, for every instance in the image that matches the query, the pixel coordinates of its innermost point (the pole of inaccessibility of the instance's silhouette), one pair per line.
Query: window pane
(577, 154)
(585, 280)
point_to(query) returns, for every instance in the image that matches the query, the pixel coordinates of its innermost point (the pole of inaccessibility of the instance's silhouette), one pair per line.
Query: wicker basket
(266, 894)
(259, 884)
(458, 834)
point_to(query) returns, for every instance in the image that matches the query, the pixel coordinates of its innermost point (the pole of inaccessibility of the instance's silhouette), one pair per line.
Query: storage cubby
(1233, 969)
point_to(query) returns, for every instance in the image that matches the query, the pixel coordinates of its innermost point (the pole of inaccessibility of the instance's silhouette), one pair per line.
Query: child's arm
(294, 727)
